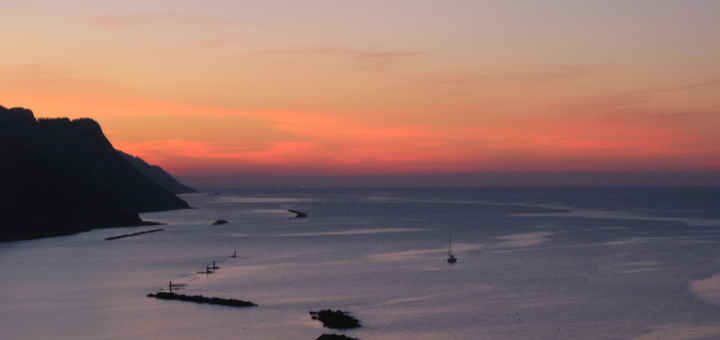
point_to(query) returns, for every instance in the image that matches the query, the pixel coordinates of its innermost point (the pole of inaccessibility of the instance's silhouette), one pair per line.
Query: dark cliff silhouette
(157, 175)
(60, 177)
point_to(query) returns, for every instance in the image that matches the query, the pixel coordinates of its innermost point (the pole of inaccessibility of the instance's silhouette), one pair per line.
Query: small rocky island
(335, 319)
(202, 299)
(218, 222)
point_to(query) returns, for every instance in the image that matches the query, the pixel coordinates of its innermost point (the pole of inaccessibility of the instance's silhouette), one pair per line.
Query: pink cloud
(319, 143)
(339, 145)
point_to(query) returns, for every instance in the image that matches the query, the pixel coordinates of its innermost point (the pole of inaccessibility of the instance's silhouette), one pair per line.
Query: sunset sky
(253, 93)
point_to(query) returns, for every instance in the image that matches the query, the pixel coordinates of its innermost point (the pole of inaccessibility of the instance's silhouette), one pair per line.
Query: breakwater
(335, 337)
(202, 299)
(133, 234)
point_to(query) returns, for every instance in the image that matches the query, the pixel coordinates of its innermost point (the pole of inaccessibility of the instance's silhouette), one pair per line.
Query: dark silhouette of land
(157, 175)
(60, 177)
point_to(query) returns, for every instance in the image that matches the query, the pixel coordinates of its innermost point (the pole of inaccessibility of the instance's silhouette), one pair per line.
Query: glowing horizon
(363, 89)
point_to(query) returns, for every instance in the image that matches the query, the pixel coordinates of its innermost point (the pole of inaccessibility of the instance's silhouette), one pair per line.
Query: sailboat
(451, 257)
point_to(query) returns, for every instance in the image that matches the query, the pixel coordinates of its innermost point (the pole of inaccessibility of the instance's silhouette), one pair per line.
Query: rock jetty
(335, 319)
(133, 234)
(202, 299)
(335, 337)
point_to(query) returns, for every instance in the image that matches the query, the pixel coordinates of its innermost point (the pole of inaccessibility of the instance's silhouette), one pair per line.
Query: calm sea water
(560, 263)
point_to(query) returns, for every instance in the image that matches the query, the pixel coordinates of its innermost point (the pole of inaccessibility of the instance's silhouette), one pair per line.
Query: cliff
(157, 175)
(59, 177)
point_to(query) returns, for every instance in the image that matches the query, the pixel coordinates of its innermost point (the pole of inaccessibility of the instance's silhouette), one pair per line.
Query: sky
(381, 93)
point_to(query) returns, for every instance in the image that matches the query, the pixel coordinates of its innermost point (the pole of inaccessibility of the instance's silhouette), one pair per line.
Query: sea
(533, 263)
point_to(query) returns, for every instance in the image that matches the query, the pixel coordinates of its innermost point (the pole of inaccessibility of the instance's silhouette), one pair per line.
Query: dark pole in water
(235, 254)
(170, 285)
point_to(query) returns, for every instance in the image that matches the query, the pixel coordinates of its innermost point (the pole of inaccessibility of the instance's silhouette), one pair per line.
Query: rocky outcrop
(335, 319)
(157, 175)
(60, 177)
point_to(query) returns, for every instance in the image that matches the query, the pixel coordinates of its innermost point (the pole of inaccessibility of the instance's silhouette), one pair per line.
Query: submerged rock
(335, 319)
(298, 214)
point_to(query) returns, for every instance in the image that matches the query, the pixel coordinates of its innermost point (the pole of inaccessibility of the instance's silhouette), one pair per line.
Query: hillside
(157, 174)
(60, 177)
